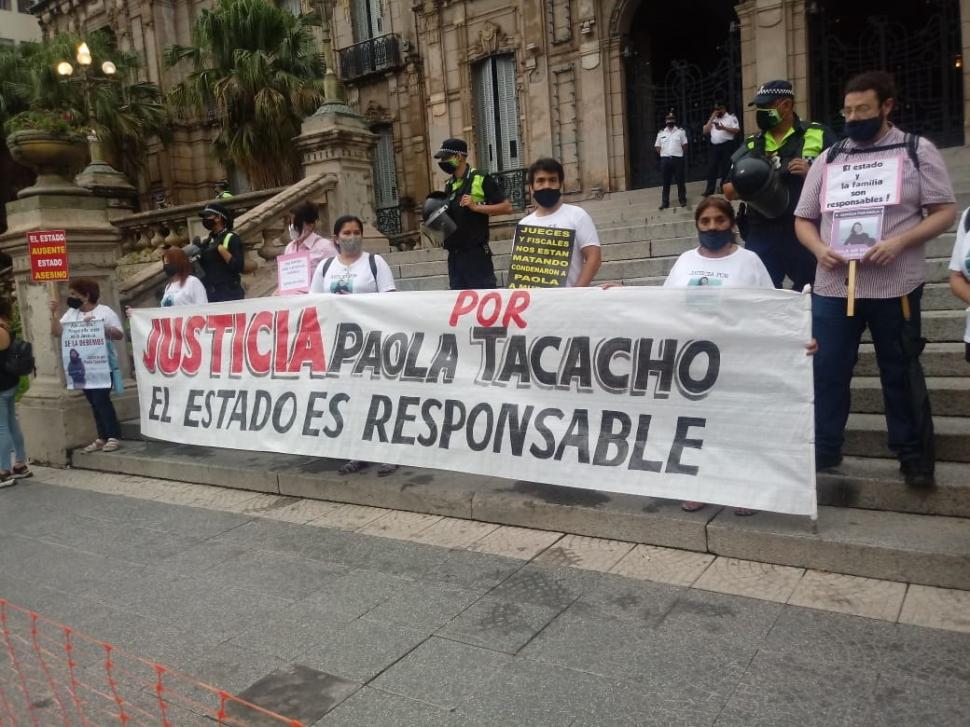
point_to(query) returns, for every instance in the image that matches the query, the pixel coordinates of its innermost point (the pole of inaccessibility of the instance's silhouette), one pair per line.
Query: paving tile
(400, 525)
(299, 511)
(287, 634)
(349, 517)
(513, 542)
(357, 592)
(850, 594)
(369, 707)
(493, 623)
(614, 597)
(937, 608)
(901, 701)
(467, 569)
(750, 578)
(283, 574)
(546, 585)
(422, 604)
(579, 551)
(663, 565)
(295, 692)
(451, 532)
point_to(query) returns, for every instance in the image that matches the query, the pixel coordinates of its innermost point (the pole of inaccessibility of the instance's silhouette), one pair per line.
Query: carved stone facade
(570, 60)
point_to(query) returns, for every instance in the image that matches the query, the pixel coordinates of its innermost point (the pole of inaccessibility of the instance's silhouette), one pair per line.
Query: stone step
(926, 549)
(949, 395)
(938, 359)
(865, 436)
(939, 325)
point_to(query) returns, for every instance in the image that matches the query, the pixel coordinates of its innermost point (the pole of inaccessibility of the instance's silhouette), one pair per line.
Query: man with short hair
(671, 145)
(790, 145)
(723, 128)
(473, 197)
(545, 178)
(911, 179)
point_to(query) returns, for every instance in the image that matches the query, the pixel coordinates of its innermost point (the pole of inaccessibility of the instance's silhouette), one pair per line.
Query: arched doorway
(918, 42)
(673, 63)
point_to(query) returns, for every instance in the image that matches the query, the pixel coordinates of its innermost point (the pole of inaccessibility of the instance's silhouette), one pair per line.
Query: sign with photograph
(855, 231)
(84, 351)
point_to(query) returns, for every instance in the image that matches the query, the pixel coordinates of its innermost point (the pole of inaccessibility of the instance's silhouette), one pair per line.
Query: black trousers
(671, 168)
(718, 165)
(222, 292)
(471, 268)
(105, 418)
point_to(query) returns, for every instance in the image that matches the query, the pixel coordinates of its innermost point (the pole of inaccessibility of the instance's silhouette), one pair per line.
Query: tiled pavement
(429, 620)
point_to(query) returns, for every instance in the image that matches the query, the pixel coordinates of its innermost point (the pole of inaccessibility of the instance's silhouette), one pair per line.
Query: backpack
(371, 258)
(911, 143)
(18, 359)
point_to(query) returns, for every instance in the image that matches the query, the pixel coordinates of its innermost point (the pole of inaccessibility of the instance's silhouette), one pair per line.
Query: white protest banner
(855, 184)
(84, 351)
(293, 273)
(699, 394)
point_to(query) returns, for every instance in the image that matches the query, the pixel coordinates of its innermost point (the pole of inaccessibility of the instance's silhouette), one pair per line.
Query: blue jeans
(898, 344)
(105, 417)
(11, 438)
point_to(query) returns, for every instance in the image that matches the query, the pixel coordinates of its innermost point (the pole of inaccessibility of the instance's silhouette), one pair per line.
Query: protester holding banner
(354, 271)
(304, 238)
(222, 255)
(183, 287)
(545, 179)
(960, 270)
(11, 436)
(895, 176)
(82, 302)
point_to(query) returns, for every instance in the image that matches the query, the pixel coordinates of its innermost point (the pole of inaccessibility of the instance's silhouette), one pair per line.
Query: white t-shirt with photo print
(741, 269)
(354, 278)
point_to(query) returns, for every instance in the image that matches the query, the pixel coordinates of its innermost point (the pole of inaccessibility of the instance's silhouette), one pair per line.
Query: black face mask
(715, 239)
(671, 124)
(767, 118)
(208, 223)
(74, 303)
(547, 198)
(169, 270)
(864, 129)
(720, 114)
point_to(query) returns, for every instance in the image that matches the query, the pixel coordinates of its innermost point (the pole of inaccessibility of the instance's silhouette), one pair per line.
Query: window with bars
(368, 19)
(386, 200)
(497, 114)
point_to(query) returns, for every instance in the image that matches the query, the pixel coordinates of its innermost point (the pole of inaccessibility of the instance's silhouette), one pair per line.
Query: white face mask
(294, 233)
(351, 245)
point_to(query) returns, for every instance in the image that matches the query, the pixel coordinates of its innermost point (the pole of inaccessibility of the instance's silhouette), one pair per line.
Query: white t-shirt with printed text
(100, 312)
(569, 217)
(960, 260)
(741, 269)
(355, 278)
(191, 292)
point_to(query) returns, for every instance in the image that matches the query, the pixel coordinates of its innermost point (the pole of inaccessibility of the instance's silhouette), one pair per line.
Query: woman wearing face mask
(82, 305)
(353, 271)
(222, 256)
(304, 238)
(719, 261)
(183, 287)
(11, 436)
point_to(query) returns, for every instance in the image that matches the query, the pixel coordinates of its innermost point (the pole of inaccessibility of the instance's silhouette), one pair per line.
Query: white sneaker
(94, 446)
(111, 445)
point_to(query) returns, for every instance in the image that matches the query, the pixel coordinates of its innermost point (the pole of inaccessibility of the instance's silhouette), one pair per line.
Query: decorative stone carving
(491, 41)
(377, 114)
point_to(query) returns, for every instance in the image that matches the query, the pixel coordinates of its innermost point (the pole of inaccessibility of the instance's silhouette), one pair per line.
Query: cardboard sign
(48, 256)
(84, 351)
(293, 273)
(853, 185)
(855, 231)
(540, 256)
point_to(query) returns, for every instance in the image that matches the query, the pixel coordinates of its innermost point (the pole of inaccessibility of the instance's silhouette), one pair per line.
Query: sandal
(692, 506)
(386, 469)
(94, 446)
(20, 472)
(744, 512)
(111, 445)
(352, 466)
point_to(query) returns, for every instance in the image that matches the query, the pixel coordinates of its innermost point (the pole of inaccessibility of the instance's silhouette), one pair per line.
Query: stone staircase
(870, 523)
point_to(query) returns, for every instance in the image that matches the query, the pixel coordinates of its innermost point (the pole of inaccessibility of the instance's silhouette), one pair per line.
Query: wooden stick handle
(907, 312)
(850, 297)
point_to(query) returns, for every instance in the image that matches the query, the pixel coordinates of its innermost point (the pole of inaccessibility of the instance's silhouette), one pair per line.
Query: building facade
(585, 81)
(17, 25)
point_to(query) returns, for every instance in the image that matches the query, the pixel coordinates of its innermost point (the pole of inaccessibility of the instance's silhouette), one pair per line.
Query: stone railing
(259, 221)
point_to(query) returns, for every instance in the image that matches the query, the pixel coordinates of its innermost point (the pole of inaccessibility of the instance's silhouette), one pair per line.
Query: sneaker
(386, 469)
(6, 480)
(94, 446)
(111, 445)
(663, 207)
(826, 461)
(21, 472)
(352, 466)
(918, 474)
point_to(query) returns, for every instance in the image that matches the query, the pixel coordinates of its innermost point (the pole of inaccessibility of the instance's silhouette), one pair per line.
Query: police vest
(472, 227)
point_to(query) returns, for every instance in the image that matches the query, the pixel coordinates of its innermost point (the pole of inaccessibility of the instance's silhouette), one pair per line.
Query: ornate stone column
(55, 420)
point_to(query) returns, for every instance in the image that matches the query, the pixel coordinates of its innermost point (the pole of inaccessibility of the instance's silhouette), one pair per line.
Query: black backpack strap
(326, 266)
(912, 146)
(966, 220)
(372, 259)
(836, 149)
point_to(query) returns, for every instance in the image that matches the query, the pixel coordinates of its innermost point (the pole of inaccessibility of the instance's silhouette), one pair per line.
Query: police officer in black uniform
(473, 197)
(221, 257)
(790, 145)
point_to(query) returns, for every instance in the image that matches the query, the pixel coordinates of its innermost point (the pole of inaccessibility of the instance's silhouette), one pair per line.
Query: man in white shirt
(723, 128)
(545, 178)
(671, 144)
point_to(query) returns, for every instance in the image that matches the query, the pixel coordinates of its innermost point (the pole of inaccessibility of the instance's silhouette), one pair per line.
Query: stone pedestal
(53, 419)
(104, 180)
(336, 140)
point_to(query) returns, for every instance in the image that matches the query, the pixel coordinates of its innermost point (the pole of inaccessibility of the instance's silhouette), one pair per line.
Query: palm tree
(257, 69)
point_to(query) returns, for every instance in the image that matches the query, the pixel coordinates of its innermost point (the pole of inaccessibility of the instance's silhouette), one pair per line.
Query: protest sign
(855, 184)
(540, 256)
(635, 390)
(47, 250)
(855, 231)
(293, 273)
(84, 351)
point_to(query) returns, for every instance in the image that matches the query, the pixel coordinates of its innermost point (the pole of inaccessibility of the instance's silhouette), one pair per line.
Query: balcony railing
(370, 57)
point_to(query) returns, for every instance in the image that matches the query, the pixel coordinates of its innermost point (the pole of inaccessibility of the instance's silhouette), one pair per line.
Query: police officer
(671, 145)
(222, 189)
(473, 197)
(790, 145)
(221, 256)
